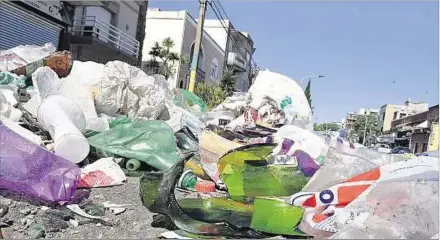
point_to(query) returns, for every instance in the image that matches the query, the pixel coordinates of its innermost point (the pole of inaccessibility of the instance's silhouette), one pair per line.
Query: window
(395, 116)
(214, 68)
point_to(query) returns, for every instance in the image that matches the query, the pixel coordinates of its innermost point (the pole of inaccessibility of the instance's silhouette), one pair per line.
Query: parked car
(400, 150)
(383, 148)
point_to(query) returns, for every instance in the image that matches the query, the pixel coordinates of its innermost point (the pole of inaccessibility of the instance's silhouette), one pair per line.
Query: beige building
(391, 112)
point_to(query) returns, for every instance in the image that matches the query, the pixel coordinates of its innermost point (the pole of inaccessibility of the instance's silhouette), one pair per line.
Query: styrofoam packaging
(64, 120)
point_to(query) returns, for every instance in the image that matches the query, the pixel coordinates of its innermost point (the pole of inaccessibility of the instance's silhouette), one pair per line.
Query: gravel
(133, 223)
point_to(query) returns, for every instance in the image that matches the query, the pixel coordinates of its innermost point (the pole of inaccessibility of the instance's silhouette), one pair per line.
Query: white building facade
(181, 28)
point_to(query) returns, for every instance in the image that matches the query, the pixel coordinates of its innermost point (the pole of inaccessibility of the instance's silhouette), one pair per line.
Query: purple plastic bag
(33, 171)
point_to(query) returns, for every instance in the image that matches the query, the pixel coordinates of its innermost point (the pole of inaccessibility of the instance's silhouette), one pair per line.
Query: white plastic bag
(287, 94)
(405, 206)
(46, 82)
(349, 202)
(22, 55)
(78, 86)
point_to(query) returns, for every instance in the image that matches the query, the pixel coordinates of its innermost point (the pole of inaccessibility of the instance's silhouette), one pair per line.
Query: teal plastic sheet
(152, 142)
(189, 101)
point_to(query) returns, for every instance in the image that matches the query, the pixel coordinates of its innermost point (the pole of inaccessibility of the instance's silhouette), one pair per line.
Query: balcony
(87, 29)
(237, 62)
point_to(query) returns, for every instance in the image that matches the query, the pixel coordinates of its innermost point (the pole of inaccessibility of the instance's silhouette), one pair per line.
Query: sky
(371, 53)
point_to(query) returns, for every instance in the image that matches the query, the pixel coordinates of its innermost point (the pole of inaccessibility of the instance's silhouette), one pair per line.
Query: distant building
(351, 117)
(391, 112)
(181, 27)
(239, 49)
(418, 131)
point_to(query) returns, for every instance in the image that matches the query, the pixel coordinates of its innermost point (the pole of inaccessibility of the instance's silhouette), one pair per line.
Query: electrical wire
(216, 11)
(227, 17)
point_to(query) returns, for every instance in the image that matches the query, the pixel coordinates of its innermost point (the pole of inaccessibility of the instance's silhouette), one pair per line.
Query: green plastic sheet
(189, 101)
(152, 142)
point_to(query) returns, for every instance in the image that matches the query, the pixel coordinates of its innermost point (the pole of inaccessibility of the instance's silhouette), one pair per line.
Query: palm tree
(228, 82)
(167, 57)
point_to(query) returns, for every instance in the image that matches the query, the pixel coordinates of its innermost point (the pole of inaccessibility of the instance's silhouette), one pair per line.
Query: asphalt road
(134, 223)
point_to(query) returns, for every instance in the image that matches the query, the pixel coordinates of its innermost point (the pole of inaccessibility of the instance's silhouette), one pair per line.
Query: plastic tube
(133, 164)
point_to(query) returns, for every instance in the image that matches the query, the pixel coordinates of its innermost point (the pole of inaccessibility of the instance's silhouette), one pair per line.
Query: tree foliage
(228, 82)
(326, 127)
(212, 95)
(167, 58)
(308, 94)
(372, 128)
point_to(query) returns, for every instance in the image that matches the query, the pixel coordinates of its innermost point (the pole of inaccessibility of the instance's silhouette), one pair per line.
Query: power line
(222, 22)
(216, 10)
(226, 15)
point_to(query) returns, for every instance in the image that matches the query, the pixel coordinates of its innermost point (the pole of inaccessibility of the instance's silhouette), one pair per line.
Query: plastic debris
(64, 121)
(152, 142)
(76, 209)
(103, 173)
(22, 55)
(33, 171)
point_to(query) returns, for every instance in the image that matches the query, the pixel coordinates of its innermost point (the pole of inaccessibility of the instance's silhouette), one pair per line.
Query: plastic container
(64, 120)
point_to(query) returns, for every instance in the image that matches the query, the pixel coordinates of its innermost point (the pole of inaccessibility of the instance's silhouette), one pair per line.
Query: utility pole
(197, 43)
(365, 129)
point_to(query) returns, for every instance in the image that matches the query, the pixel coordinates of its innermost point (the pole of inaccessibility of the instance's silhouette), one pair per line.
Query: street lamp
(310, 76)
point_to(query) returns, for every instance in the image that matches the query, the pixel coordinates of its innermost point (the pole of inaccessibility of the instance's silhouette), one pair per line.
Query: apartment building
(103, 31)
(418, 131)
(391, 112)
(239, 49)
(181, 28)
(351, 117)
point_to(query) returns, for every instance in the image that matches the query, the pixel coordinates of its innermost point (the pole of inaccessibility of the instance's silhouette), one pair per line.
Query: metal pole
(365, 129)
(198, 41)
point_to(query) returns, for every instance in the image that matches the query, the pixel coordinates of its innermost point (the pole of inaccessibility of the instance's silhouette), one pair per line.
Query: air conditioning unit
(237, 61)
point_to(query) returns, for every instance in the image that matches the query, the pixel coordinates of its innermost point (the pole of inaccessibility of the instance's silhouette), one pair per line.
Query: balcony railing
(93, 26)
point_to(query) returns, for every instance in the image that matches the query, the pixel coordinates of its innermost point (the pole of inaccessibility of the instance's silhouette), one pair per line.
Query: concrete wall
(419, 141)
(128, 17)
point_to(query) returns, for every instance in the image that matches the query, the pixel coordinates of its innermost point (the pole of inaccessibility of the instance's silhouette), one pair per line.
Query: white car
(383, 148)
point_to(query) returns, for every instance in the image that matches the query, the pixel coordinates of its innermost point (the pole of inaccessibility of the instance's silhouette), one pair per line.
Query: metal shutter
(18, 27)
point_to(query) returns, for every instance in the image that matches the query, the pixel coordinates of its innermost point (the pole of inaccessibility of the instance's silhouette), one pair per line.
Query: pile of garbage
(250, 167)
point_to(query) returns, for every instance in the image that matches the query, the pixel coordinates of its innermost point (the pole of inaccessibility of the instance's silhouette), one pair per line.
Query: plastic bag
(34, 171)
(177, 118)
(152, 142)
(60, 62)
(323, 208)
(45, 82)
(302, 140)
(78, 87)
(287, 94)
(11, 79)
(234, 103)
(189, 101)
(7, 108)
(124, 89)
(340, 166)
(22, 55)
